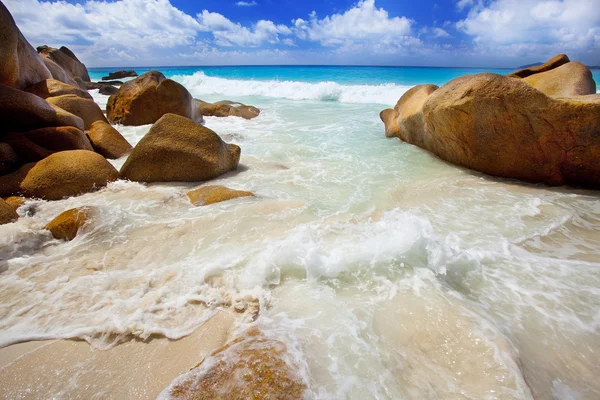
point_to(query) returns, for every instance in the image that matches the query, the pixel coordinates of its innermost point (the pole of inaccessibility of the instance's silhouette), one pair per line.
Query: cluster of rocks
(539, 124)
(55, 140)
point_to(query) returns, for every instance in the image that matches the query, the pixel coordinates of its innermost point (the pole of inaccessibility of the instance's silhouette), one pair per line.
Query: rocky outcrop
(107, 140)
(8, 158)
(261, 360)
(554, 62)
(68, 173)
(10, 184)
(147, 98)
(40, 143)
(85, 109)
(206, 195)
(20, 65)
(65, 58)
(227, 108)
(66, 225)
(179, 149)
(60, 74)
(119, 75)
(7, 213)
(53, 88)
(504, 127)
(570, 79)
(21, 111)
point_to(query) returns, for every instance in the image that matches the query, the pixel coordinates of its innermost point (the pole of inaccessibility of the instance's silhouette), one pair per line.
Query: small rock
(227, 108)
(66, 225)
(206, 195)
(119, 75)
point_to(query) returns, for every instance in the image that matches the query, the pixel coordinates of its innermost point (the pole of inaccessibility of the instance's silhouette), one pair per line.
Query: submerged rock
(7, 213)
(206, 195)
(85, 109)
(66, 225)
(119, 75)
(147, 98)
(227, 108)
(68, 173)
(251, 367)
(52, 88)
(108, 141)
(504, 127)
(20, 65)
(554, 62)
(179, 149)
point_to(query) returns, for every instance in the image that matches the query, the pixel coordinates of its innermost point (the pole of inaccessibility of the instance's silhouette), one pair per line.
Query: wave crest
(200, 84)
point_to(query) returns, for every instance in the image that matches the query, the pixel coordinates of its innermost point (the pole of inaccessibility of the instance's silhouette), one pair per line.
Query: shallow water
(387, 272)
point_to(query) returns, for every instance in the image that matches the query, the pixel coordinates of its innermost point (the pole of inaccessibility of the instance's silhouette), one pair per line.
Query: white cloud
(246, 3)
(228, 33)
(461, 4)
(363, 22)
(135, 24)
(531, 25)
(440, 33)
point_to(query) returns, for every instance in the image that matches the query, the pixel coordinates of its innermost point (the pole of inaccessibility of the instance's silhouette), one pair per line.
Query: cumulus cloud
(363, 22)
(246, 3)
(134, 24)
(530, 25)
(228, 33)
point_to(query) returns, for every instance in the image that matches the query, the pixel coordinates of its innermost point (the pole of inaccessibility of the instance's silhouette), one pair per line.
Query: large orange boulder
(147, 98)
(179, 149)
(85, 109)
(22, 111)
(107, 140)
(552, 63)
(227, 108)
(67, 224)
(20, 65)
(68, 173)
(504, 127)
(66, 60)
(52, 88)
(7, 212)
(251, 367)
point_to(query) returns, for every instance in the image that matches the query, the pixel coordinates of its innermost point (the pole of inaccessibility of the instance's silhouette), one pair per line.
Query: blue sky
(487, 33)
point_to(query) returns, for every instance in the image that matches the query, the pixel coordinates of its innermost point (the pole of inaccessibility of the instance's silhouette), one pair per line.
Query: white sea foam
(200, 84)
